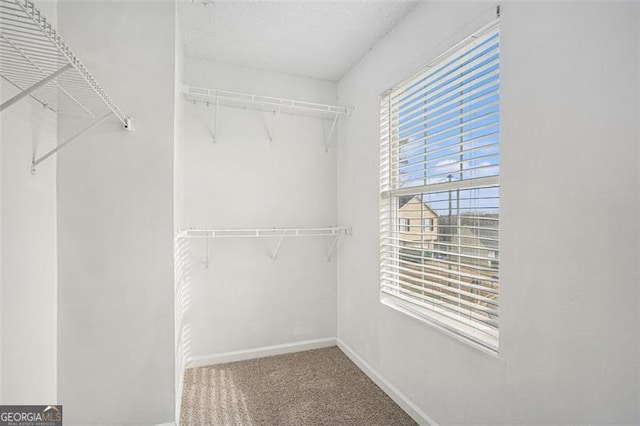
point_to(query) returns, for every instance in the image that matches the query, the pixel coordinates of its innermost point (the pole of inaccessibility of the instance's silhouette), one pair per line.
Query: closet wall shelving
(335, 232)
(218, 97)
(36, 61)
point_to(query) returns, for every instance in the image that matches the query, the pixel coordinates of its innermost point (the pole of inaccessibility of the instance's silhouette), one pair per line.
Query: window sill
(446, 326)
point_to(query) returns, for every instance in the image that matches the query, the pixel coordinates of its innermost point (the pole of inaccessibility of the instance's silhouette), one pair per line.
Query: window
(440, 136)
(405, 224)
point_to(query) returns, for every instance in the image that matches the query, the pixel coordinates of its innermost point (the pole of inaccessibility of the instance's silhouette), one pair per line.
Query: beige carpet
(318, 387)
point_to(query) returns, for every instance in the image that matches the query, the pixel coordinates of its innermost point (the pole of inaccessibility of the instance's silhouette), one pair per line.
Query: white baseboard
(204, 360)
(405, 403)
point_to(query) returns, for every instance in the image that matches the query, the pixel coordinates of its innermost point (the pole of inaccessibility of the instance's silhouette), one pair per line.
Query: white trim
(405, 403)
(471, 183)
(212, 359)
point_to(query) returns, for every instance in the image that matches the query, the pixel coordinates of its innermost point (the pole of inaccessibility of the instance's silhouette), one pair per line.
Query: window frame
(456, 330)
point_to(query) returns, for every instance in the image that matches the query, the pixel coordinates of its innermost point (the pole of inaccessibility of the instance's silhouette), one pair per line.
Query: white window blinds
(440, 135)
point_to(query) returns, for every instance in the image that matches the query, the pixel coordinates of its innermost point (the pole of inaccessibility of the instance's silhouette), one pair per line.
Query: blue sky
(449, 125)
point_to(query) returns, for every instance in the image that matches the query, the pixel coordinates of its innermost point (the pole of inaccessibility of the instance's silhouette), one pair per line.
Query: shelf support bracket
(272, 137)
(93, 125)
(215, 122)
(274, 256)
(333, 247)
(206, 260)
(28, 91)
(327, 141)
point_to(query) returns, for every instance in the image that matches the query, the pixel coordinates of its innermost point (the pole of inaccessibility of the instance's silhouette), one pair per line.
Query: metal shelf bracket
(276, 120)
(274, 256)
(128, 124)
(206, 262)
(334, 243)
(327, 140)
(215, 123)
(92, 126)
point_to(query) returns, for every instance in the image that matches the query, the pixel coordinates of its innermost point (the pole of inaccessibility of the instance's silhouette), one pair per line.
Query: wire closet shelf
(218, 97)
(263, 232)
(39, 64)
(264, 103)
(207, 233)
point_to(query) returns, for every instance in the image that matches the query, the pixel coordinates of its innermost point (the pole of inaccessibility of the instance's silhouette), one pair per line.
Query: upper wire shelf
(32, 52)
(217, 97)
(268, 103)
(36, 61)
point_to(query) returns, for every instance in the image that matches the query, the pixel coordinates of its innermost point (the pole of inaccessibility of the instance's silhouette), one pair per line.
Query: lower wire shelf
(263, 232)
(280, 233)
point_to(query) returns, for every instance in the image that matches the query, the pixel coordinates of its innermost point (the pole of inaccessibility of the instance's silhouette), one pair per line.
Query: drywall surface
(244, 299)
(181, 295)
(115, 222)
(178, 175)
(569, 221)
(28, 261)
(28, 299)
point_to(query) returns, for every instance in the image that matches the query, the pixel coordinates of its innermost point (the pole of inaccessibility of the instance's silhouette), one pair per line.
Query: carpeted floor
(318, 387)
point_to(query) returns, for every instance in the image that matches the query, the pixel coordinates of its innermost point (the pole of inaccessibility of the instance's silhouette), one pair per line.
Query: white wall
(244, 299)
(28, 285)
(569, 346)
(181, 287)
(115, 222)
(592, 135)
(178, 175)
(28, 250)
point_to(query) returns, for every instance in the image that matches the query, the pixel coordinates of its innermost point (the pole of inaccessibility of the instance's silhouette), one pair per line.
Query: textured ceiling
(320, 39)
